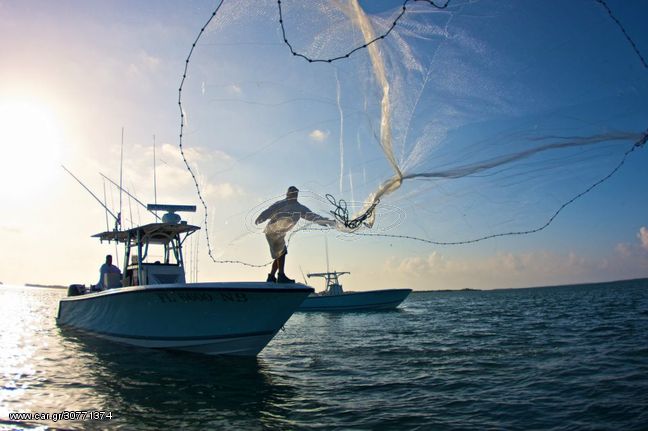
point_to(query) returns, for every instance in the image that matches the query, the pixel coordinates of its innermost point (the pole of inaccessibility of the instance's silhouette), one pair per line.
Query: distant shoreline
(598, 283)
(452, 290)
(48, 286)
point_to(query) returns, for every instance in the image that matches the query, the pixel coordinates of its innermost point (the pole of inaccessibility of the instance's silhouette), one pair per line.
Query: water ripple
(558, 358)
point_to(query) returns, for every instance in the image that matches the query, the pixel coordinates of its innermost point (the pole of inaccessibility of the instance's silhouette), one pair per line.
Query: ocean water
(559, 358)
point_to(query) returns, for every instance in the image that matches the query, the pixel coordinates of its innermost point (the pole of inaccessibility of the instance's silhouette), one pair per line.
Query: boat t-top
(334, 298)
(150, 304)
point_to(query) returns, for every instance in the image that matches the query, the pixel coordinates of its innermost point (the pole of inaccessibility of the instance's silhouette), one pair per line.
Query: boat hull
(356, 301)
(208, 318)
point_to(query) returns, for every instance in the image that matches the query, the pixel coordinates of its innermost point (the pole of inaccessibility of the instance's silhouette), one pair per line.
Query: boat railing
(332, 280)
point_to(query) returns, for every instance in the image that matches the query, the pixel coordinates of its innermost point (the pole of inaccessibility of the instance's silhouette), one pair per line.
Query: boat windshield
(153, 252)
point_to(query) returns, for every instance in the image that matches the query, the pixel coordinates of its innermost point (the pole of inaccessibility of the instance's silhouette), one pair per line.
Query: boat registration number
(201, 297)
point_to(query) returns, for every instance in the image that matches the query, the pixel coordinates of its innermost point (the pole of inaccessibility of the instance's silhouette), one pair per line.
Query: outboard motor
(76, 289)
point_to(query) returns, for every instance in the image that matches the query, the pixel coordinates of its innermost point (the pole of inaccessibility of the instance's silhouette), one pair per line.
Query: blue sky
(492, 75)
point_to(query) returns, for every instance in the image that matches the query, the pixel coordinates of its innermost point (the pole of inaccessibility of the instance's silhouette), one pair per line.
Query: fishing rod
(93, 195)
(130, 195)
(154, 175)
(302, 273)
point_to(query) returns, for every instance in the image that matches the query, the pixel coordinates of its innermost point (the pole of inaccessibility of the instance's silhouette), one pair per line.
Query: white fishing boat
(150, 304)
(334, 298)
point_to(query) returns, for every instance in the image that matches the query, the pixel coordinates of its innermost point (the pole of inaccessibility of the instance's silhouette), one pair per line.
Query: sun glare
(31, 135)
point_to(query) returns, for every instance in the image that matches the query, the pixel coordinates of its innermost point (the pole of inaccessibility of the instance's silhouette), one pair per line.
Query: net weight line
(358, 48)
(623, 30)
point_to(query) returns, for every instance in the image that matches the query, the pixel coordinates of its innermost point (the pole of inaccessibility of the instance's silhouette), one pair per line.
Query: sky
(467, 84)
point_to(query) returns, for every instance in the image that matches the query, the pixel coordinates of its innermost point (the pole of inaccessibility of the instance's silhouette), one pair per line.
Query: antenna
(154, 175)
(121, 175)
(112, 204)
(196, 253)
(130, 209)
(139, 217)
(327, 256)
(105, 206)
(188, 258)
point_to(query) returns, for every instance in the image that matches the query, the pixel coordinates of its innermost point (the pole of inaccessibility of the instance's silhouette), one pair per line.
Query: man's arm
(102, 271)
(307, 214)
(266, 214)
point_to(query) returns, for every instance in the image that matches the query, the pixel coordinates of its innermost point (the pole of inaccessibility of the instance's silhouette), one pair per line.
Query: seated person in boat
(283, 216)
(106, 268)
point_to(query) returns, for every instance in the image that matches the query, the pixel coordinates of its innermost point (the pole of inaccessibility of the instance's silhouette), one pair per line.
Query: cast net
(444, 123)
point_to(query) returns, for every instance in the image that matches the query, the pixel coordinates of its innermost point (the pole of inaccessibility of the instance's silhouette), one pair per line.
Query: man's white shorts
(277, 243)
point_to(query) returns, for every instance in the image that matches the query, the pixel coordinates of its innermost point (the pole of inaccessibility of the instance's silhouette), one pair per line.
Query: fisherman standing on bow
(283, 216)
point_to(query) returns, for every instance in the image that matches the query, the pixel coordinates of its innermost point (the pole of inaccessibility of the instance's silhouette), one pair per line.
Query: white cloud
(199, 154)
(318, 135)
(233, 88)
(502, 262)
(501, 270)
(173, 181)
(149, 61)
(628, 250)
(439, 270)
(643, 237)
(145, 64)
(623, 249)
(221, 191)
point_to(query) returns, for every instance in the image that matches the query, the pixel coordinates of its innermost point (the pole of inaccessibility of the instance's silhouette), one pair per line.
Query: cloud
(198, 154)
(504, 269)
(318, 135)
(623, 249)
(628, 250)
(204, 163)
(221, 190)
(233, 88)
(149, 61)
(502, 262)
(144, 65)
(173, 181)
(643, 237)
(438, 270)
